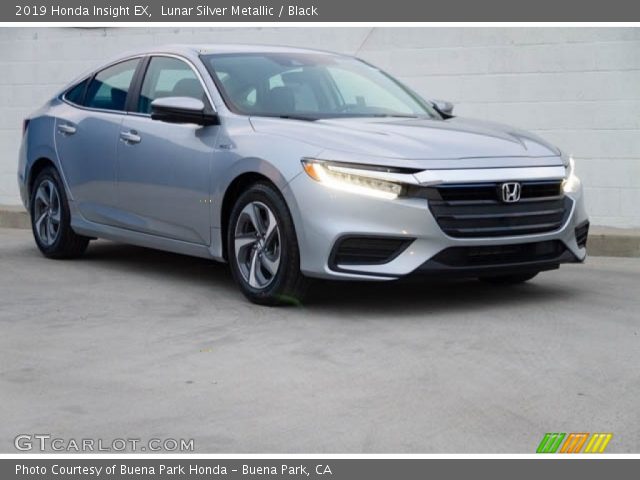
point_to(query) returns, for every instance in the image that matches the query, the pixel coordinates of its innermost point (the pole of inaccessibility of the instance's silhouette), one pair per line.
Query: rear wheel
(262, 248)
(509, 279)
(51, 220)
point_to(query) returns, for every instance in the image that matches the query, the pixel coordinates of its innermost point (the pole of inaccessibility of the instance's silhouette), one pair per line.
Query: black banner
(317, 11)
(318, 469)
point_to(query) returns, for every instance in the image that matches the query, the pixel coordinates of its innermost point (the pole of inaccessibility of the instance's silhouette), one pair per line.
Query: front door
(164, 168)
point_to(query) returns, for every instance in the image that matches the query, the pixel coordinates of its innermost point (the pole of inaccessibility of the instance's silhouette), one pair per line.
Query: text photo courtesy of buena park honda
(320, 240)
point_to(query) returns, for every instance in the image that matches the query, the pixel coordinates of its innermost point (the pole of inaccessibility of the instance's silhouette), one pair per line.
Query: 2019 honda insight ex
(289, 164)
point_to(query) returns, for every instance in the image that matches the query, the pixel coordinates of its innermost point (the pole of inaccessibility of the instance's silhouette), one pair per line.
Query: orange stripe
(582, 439)
(565, 446)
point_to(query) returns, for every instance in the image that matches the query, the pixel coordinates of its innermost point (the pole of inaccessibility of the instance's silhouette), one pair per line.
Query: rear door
(164, 168)
(86, 134)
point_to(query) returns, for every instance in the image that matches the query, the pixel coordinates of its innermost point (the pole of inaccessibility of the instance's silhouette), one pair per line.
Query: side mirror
(444, 107)
(182, 110)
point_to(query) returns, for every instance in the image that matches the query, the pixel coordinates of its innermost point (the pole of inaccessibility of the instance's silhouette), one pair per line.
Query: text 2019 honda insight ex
(290, 164)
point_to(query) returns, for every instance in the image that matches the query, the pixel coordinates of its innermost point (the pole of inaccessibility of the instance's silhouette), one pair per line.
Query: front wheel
(262, 248)
(509, 279)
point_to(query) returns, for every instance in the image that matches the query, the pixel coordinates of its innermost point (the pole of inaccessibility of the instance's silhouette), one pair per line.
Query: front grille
(475, 210)
(491, 191)
(582, 232)
(359, 250)
(500, 254)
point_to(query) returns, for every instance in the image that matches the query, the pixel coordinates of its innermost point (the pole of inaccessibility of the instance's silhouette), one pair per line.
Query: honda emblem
(511, 192)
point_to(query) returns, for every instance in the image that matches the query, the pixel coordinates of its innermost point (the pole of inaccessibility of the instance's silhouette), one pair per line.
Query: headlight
(571, 182)
(353, 179)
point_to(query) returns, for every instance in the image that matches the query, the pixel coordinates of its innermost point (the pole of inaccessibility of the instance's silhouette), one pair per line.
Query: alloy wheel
(257, 245)
(47, 212)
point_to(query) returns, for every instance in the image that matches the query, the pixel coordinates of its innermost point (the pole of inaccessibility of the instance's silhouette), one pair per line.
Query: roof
(199, 49)
(240, 48)
(192, 51)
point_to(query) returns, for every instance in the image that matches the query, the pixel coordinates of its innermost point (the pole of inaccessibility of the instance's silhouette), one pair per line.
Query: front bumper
(323, 216)
(493, 260)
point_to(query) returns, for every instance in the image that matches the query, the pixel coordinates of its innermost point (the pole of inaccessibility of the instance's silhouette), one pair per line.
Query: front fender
(277, 159)
(240, 151)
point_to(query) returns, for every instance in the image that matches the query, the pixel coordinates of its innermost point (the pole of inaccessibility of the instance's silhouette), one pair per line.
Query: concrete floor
(128, 342)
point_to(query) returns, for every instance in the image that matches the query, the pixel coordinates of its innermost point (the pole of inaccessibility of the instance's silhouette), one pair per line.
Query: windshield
(310, 86)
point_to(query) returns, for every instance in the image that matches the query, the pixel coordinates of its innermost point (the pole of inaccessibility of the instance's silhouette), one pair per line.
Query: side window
(169, 77)
(108, 89)
(76, 94)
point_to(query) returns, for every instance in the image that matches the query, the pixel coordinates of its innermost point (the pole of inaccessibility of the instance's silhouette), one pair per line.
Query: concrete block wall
(577, 87)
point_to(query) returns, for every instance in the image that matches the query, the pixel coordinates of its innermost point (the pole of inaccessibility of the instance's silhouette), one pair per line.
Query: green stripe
(556, 445)
(543, 443)
(550, 442)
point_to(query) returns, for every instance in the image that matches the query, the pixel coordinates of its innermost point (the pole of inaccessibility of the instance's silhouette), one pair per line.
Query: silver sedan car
(291, 164)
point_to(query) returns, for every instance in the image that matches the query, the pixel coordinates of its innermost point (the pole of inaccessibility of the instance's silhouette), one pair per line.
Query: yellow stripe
(598, 441)
(590, 444)
(606, 442)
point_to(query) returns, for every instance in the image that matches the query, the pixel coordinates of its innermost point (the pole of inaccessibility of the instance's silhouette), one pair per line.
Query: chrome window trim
(91, 77)
(62, 98)
(193, 68)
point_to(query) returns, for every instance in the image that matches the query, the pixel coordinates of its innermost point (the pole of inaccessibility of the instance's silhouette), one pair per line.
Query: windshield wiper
(377, 115)
(289, 117)
(299, 117)
(395, 115)
(308, 118)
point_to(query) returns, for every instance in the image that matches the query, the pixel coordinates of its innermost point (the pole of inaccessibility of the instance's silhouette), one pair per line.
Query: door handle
(66, 129)
(130, 137)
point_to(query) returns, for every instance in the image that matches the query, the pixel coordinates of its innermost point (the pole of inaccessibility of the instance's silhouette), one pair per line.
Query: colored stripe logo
(550, 442)
(598, 443)
(573, 443)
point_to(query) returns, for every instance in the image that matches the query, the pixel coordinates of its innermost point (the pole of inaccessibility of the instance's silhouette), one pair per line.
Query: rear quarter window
(76, 93)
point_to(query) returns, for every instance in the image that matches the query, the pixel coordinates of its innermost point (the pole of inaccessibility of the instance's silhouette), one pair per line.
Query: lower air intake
(358, 250)
(582, 232)
(483, 256)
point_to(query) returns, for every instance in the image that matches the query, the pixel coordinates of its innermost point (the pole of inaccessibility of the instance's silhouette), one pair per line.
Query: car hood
(411, 139)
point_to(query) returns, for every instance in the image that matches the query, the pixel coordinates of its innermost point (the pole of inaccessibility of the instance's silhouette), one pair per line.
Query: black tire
(288, 285)
(513, 279)
(65, 243)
